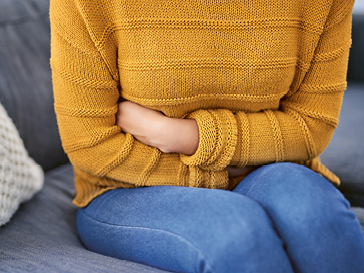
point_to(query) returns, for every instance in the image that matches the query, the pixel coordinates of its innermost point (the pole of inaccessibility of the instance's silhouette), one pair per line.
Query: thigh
(183, 229)
(311, 216)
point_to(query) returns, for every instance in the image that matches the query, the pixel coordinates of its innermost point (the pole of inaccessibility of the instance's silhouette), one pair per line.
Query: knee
(287, 174)
(247, 237)
(291, 183)
(239, 218)
(295, 195)
(249, 223)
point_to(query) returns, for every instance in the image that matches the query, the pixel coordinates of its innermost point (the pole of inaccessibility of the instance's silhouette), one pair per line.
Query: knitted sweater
(264, 79)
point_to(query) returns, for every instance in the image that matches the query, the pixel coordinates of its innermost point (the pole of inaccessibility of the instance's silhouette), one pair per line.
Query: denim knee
(247, 239)
(295, 194)
(311, 216)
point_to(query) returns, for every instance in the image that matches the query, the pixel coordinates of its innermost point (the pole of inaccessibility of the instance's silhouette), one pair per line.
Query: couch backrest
(25, 78)
(356, 59)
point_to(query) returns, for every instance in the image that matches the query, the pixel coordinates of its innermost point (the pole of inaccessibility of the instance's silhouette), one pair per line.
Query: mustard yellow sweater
(263, 78)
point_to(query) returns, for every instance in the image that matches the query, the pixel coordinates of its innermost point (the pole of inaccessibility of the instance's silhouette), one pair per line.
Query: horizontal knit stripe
(85, 112)
(323, 88)
(327, 56)
(69, 76)
(73, 145)
(333, 121)
(212, 63)
(201, 97)
(214, 24)
(150, 23)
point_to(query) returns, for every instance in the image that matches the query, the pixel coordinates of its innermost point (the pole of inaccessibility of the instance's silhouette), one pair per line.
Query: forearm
(169, 135)
(180, 136)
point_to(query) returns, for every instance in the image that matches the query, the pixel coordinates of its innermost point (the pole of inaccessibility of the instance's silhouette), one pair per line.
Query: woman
(195, 128)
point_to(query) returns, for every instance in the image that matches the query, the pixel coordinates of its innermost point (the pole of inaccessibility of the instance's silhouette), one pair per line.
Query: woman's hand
(170, 135)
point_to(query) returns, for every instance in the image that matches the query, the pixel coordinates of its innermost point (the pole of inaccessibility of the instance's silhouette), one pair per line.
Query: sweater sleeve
(302, 126)
(86, 94)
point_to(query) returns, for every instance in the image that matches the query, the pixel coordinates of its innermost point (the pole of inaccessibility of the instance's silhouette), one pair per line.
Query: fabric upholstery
(42, 237)
(25, 78)
(345, 153)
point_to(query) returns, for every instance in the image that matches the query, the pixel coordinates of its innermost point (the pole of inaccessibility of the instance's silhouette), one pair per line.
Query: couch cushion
(25, 78)
(345, 153)
(42, 237)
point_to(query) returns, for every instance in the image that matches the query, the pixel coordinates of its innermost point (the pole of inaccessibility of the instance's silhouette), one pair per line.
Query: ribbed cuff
(218, 137)
(208, 179)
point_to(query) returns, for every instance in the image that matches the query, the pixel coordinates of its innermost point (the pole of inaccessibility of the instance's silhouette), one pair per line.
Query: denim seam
(154, 229)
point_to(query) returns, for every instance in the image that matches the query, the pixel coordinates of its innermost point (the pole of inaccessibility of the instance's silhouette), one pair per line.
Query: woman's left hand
(170, 135)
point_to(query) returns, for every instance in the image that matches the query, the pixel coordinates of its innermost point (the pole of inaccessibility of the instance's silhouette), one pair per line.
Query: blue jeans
(281, 218)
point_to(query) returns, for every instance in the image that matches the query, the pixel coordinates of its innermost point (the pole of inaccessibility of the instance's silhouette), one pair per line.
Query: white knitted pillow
(20, 176)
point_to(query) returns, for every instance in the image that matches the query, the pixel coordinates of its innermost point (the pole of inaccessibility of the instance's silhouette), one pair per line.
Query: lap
(281, 214)
(183, 229)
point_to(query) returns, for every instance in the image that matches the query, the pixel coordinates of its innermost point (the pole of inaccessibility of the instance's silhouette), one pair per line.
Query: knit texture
(264, 80)
(20, 176)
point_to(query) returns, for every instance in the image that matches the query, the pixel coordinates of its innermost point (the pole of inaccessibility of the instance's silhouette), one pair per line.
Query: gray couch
(41, 236)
